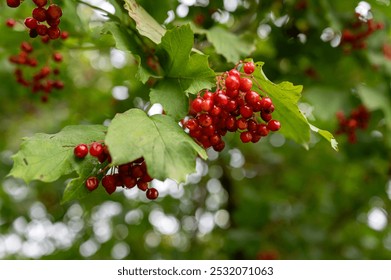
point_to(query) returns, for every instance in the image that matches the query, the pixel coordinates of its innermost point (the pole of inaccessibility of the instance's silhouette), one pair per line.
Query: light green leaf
(229, 45)
(285, 98)
(184, 72)
(326, 135)
(170, 94)
(46, 157)
(145, 23)
(168, 151)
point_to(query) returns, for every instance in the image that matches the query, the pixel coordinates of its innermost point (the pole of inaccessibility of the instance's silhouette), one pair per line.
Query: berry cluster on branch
(44, 22)
(126, 175)
(232, 107)
(358, 119)
(354, 38)
(44, 79)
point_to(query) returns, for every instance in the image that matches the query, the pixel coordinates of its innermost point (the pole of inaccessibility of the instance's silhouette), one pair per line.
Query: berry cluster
(126, 175)
(43, 21)
(232, 107)
(358, 119)
(44, 79)
(354, 38)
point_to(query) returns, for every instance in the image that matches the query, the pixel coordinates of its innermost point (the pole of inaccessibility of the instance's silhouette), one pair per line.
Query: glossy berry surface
(152, 193)
(248, 67)
(96, 149)
(92, 183)
(80, 151)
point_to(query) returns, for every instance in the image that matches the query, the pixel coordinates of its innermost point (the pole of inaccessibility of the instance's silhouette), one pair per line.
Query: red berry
(39, 14)
(136, 171)
(31, 23)
(80, 151)
(273, 125)
(96, 149)
(64, 35)
(53, 32)
(42, 29)
(232, 83)
(109, 183)
(54, 12)
(219, 147)
(221, 99)
(13, 3)
(252, 98)
(205, 120)
(245, 84)
(245, 136)
(207, 105)
(266, 102)
(92, 183)
(57, 57)
(266, 117)
(196, 105)
(129, 182)
(152, 193)
(192, 124)
(234, 72)
(10, 22)
(246, 111)
(249, 67)
(25, 46)
(40, 3)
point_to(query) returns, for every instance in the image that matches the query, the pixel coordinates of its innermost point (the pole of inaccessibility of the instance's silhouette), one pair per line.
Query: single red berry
(54, 12)
(262, 129)
(64, 35)
(234, 72)
(219, 147)
(129, 182)
(241, 123)
(42, 29)
(13, 3)
(80, 151)
(207, 105)
(204, 120)
(53, 32)
(109, 183)
(248, 67)
(10, 22)
(57, 57)
(96, 149)
(192, 124)
(266, 117)
(246, 111)
(152, 193)
(25, 46)
(92, 183)
(39, 14)
(31, 23)
(273, 125)
(196, 105)
(53, 22)
(221, 99)
(245, 136)
(232, 83)
(266, 102)
(245, 84)
(40, 3)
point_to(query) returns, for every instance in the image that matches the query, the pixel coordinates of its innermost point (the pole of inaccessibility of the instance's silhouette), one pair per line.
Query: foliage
(272, 199)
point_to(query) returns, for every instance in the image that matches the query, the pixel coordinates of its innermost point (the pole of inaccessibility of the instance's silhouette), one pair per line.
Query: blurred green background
(270, 200)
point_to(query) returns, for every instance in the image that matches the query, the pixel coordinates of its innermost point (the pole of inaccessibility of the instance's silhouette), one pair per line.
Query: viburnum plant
(199, 107)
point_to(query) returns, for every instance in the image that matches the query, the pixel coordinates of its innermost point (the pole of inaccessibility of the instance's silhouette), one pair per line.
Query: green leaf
(326, 135)
(184, 72)
(229, 45)
(285, 98)
(170, 94)
(124, 40)
(168, 151)
(46, 157)
(145, 23)
(76, 189)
